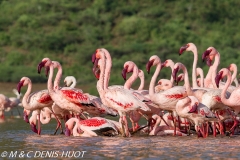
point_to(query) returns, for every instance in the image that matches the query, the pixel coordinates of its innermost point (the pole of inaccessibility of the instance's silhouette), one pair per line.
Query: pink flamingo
(209, 55)
(119, 99)
(92, 127)
(192, 47)
(196, 112)
(5, 103)
(165, 100)
(168, 63)
(233, 68)
(200, 80)
(232, 101)
(67, 98)
(34, 101)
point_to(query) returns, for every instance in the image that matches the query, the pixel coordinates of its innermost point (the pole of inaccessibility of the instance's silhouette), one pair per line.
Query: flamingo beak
(193, 108)
(34, 128)
(94, 57)
(163, 64)
(124, 72)
(174, 73)
(19, 86)
(218, 78)
(205, 54)
(67, 131)
(178, 79)
(96, 70)
(182, 49)
(40, 66)
(209, 61)
(149, 65)
(25, 117)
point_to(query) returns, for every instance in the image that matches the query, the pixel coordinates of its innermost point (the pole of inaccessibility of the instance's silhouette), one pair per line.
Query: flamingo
(5, 103)
(190, 108)
(233, 101)
(92, 127)
(70, 99)
(70, 81)
(209, 55)
(15, 101)
(165, 100)
(200, 80)
(168, 63)
(34, 101)
(119, 99)
(191, 47)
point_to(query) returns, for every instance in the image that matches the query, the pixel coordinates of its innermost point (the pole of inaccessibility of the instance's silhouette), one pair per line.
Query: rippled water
(16, 135)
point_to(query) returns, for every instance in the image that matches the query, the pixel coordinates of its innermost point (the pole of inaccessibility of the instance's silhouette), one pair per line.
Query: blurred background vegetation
(69, 31)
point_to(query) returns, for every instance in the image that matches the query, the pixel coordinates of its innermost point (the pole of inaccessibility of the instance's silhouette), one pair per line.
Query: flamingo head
(44, 63)
(193, 107)
(25, 116)
(183, 48)
(124, 72)
(67, 131)
(179, 78)
(209, 55)
(20, 84)
(219, 77)
(164, 64)
(231, 67)
(94, 57)
(174, 73)
(34, 128)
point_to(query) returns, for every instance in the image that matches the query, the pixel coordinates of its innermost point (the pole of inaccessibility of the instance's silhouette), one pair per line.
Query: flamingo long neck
(154, 79)
(172, 68)
(25, 100)
(214, 69)
(194, 75)
(132, 78)
(142, 81)
(74, 82)
(234, 75)
(58, 76)
(108, 67)
(186, 80)
(50, 77)
(200, 72)
(224, 90)
(102, 77)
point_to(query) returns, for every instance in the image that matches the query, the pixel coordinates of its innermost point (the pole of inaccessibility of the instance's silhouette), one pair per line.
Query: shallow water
(17, 140)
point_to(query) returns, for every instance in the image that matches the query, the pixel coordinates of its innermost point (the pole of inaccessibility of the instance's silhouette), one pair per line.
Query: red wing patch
(175, 96)
(75, 96)
(93, 122)
(45, 99)
(218, 99)
(127, 105)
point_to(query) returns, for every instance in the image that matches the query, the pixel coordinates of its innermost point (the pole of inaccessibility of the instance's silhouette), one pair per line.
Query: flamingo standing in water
(5, 102)
(196, 112)
(165, 100)
(92, 127)
(67, 98)
(119, 99)
(234, 100)
(70, 81)
(34, 101)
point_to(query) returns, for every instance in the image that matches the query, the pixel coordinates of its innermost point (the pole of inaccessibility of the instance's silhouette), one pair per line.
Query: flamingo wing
(75, 95)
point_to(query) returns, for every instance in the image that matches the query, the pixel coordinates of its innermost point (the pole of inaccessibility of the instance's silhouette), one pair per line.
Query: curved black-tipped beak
(182, 49)
(25, 117)
(178, 79)
(193, 108)
(67, 131)
(40, 66)
(174, 73)
(205, 54)
(34, 128)
(96, 70)
(149, 65)
(218, 78)
(19, 86)
(124, 73)
(93, 57)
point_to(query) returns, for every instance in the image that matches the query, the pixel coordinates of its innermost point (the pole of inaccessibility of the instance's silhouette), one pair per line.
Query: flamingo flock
(206, 106)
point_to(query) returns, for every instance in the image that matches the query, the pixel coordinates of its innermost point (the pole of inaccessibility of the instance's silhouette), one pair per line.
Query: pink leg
(214, 129)
(39, 125)
(126, 126)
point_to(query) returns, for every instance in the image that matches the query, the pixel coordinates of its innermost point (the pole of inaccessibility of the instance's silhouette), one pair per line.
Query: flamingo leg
(39, 124)
(164, 120)
(214, 129)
